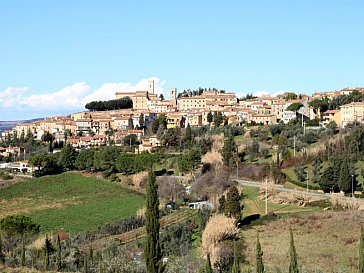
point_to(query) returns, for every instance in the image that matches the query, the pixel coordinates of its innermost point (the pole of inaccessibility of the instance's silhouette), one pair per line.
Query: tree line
(108, 160)
(123, 103)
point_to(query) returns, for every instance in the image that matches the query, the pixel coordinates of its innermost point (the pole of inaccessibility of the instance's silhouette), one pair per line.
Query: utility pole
(352, 186)
(307, 181)
(266, 195)
(304, 127)
(237, 170)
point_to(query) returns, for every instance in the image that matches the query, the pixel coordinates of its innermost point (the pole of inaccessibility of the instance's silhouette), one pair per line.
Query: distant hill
(6, 125)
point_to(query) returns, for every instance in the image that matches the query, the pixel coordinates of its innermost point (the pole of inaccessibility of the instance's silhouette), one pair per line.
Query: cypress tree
(236, 267)
(293, 266)
(361, 251)
(59, 254)
(344, 177)
(208, 267)
(259, 257)
(2, 255)
(101, 266)
(232, 204)
(141, 121)
(47, 251)
(228, 150)
(22, 257)
(210, 118)
(153, 254)
(85, 264)
(91, 255)
(222, 202)
(34, 257)
(188, 135)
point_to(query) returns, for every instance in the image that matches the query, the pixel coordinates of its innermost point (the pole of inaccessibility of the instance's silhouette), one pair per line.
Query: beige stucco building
(352, 112)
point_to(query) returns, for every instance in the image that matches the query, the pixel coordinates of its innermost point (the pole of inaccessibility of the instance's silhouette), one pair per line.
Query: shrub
(213, 157)
(211, 183)
(218, 229)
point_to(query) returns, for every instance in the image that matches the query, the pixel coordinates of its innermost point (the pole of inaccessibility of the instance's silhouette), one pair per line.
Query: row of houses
(95, 128)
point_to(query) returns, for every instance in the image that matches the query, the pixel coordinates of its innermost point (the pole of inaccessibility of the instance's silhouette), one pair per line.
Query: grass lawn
(254, 204)
(69, 201)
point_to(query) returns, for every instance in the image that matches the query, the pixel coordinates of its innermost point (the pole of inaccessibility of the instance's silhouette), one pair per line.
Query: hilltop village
(203, 107)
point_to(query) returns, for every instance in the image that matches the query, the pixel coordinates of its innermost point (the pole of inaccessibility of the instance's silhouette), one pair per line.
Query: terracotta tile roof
(331, 112)
(85, 138)
(353, 104)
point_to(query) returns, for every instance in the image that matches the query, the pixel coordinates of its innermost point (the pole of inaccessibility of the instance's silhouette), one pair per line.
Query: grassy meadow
(254, 204)
(325, 241)
(69, 201)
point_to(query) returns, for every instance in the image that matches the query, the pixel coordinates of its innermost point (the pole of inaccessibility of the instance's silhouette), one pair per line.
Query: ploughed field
(69, 201)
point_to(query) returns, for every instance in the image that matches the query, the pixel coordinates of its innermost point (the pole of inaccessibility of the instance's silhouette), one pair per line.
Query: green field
(253, 204)
(69, 201)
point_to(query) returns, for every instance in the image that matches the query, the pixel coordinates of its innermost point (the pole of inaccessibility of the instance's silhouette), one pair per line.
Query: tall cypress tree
(59, 254)
(91, 255)
(85, 267)
(47, 247)
(232, 204)
(208, 267)
(188, 135)
(101, 265)
(293, 266)
(259, 257)
(236, 266)
(152, 252)
(361, 251)
(22, 258)
(229, 150)
(344, 177)
(2, 255)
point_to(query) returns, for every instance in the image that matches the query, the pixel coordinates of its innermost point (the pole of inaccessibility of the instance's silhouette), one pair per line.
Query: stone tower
(173, 96)
(151, 87)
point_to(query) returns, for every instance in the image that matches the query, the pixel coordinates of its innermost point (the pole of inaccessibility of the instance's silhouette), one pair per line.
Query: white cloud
(21, 103)
(261, 93)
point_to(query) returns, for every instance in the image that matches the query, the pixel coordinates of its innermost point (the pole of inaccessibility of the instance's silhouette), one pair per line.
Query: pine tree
(153, 254)
(259, 257)
(293, 266)
(59, 254)
(68, 157)
(344, 181)
(188, 135)
(236, 266)
(208, 267)
(232, 205)
(361, 251)
(2, 255)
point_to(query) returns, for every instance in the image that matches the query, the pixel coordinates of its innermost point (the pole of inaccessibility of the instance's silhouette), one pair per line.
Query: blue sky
(93, 48)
